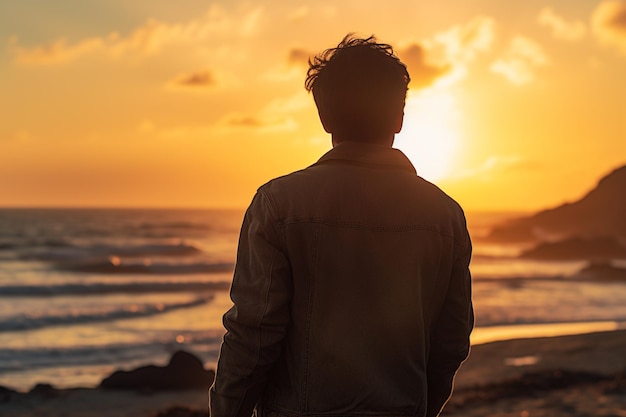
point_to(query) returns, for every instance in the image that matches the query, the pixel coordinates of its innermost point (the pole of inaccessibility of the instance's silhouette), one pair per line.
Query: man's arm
(449, 345)
(256, 324)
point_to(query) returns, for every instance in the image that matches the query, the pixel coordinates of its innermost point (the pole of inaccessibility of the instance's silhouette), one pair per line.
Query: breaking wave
(27, 322)
(108, 288)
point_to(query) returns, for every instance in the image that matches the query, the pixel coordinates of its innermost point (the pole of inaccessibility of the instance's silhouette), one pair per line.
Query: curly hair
(359, 87)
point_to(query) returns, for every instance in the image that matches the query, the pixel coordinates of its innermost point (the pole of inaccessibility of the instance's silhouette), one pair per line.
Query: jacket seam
(365, 226)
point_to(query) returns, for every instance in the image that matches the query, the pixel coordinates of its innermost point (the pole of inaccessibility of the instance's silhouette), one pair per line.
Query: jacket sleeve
(256, 324)
(450, 343)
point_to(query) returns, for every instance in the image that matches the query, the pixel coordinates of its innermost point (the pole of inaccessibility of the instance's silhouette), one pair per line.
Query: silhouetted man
(351, 290)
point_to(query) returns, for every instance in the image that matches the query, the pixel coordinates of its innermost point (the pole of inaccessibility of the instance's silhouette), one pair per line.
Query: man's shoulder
(288, 181)
(442, 195)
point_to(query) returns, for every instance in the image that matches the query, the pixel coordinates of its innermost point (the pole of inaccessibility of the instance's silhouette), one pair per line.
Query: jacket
(351, 292)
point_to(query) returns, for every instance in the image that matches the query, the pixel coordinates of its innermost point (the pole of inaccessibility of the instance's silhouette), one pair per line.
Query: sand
(580, 375)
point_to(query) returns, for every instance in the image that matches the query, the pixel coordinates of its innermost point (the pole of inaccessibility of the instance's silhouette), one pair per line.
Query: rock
(602, 271)
(6, 394)
(184, 371)
(5, 390)
(599, 248)
(599, 213)
(44, 390)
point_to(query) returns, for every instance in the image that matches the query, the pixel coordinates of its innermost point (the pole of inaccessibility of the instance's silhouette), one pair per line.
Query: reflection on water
(482, 335)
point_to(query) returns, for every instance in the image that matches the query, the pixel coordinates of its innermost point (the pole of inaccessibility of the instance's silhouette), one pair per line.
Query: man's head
(359, 88)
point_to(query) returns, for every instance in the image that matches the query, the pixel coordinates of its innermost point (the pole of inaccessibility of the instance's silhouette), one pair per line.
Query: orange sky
(513, 105)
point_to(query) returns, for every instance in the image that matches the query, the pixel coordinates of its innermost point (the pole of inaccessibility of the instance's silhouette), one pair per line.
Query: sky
(153, 103)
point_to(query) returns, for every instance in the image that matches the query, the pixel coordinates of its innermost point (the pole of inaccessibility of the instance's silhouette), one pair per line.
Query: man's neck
(383, 142)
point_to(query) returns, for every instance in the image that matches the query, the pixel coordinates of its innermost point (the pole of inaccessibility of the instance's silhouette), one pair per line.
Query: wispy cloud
(298, 57)
(423, 73)
(498, 165)
(520, 60)
(456, 48)
(608, 23)
(293, 67)
(464, 41)
(58, 51)
(276, 116)
(202, 81)
(298, 101)
(569, 30)
(147, 39)
(299, 13)
(260, 123)
(199, 79)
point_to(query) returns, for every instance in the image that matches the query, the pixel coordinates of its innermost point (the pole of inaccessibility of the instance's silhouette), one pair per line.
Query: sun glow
(430, 137)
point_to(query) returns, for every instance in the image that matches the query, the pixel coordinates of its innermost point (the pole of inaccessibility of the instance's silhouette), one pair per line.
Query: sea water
(86, 292)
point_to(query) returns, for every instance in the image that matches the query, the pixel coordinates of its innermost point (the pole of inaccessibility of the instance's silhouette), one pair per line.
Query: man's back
(369, 254)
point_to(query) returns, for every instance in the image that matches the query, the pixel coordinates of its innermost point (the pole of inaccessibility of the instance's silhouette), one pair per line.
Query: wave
(67, 252)
(102, 288)
(114, 266)
(155, 348)
(25, 322)
(175, 225)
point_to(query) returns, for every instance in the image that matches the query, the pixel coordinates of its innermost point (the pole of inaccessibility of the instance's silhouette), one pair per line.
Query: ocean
(84, 292)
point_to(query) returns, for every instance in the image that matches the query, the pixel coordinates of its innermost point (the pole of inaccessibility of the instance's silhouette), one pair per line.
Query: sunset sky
(512, 105)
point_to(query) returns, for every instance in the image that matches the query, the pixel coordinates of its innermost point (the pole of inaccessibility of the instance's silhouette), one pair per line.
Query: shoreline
(480, 336)
(489, 334)
(516, 375)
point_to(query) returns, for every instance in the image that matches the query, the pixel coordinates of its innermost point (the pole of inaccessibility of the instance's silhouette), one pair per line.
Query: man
(351, 290)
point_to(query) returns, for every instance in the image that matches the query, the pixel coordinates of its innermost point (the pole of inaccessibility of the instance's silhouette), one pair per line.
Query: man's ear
(398, 123)
(325, 122)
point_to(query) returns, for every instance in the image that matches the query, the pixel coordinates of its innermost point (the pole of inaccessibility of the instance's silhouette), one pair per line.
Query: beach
(574, 375)
(84, 293)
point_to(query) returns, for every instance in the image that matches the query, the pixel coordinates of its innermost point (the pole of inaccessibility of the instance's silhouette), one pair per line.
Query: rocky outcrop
(602, 271)
(602, 212)
(599, 248)
(184, 371)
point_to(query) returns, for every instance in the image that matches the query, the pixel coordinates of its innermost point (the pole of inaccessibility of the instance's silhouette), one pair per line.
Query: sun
(429, 136)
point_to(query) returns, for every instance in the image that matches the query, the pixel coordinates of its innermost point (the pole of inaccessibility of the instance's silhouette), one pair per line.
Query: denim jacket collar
(368, 154)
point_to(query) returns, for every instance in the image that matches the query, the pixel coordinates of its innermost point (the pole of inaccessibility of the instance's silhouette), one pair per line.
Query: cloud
(54, 52)
(608, 23)
(147, 39)
(298, 57)
(292, 68)
(203, 78)
(423, 73)
(499, 165)
(245, 121)
(198, 81)
(299, 101)
(202, 81)
(519, 62)
(463, 42)
(257, 123)
(561, 28)
(451, 51)
(298, 14)
(276, 116)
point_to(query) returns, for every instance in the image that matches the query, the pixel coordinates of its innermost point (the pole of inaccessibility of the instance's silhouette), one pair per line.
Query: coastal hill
(602, 212)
